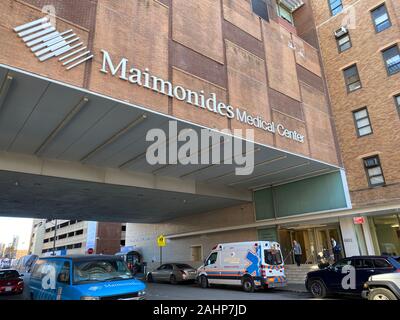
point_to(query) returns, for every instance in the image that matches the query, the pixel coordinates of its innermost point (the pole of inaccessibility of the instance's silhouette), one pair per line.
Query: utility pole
(55, 236)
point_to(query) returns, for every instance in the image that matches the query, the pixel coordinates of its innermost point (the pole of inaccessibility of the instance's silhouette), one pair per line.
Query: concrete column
(368, 237)
(349, 236)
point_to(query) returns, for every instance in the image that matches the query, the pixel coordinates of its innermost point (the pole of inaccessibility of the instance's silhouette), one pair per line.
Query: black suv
(329, 280)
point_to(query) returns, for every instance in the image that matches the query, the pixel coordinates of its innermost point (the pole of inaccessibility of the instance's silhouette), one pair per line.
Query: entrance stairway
(297, 275)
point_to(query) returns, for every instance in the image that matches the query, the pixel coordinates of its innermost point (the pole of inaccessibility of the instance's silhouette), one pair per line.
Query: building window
(123, 243)
(260, 8)
(77, 233)
(362, 121)
(77, 245)
(352, 78)
(123, 228)
(381, 18)
(386, 231)
(336, 6)
(344, 42)
(392, 59)
(374, 171)
(285, 13)
(397, 102)
(63, 225)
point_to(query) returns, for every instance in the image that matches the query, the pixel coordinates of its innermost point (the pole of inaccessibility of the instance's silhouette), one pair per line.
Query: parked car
(251, 265)
(382, 287)
(84, 277)
(329, 280)
(173, 273)
(11, 282)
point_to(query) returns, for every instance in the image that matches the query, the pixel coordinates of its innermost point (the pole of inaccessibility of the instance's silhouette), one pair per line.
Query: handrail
(290, 252)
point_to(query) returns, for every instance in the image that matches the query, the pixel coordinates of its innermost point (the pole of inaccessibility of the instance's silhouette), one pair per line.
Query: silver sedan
(172, 273)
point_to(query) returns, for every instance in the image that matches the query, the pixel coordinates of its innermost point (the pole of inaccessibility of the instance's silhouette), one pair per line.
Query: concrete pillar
(349, 236)
(368, 237)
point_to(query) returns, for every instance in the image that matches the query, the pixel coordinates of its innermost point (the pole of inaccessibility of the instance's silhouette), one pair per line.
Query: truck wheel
(203, 282)
(318, 289)
(172, 280)
(149, 278)
(248, 284)
(381, 294)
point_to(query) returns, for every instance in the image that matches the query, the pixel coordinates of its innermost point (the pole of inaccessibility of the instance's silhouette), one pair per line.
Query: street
(159, 291)
(164, 291)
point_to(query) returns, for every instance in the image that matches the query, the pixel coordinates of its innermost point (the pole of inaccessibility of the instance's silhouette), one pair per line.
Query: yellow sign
(161, 241)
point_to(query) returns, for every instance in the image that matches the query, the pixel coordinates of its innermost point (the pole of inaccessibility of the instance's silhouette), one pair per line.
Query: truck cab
(94, 277)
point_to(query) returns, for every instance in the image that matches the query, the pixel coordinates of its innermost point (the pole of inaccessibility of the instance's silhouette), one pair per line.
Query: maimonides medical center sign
(145, 79)
(46, 42)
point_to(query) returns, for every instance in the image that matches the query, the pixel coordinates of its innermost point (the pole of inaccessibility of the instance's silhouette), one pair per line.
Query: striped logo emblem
(46, 42)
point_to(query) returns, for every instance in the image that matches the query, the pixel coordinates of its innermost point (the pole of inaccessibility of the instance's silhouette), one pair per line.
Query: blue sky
(15, 226)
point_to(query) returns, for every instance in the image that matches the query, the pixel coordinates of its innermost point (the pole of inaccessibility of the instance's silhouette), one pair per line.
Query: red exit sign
(359, 220)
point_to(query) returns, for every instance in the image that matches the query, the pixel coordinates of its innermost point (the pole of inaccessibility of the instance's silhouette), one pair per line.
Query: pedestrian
(297, 252)
(336, 248)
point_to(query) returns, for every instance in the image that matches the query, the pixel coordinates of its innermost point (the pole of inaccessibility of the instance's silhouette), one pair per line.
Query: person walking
(336, 248)
(297, 252)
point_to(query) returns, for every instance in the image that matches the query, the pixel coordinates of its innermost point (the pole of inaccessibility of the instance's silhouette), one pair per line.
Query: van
(26, 263)
(85, 277)
(252, 265)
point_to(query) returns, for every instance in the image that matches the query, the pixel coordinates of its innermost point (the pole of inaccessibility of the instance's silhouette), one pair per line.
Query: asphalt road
(161, 291)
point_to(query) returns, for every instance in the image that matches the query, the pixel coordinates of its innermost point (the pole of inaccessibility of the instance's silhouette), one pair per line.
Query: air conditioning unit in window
(341, 32)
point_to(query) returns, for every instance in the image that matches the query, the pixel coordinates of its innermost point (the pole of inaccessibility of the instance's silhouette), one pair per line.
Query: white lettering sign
(198, 99)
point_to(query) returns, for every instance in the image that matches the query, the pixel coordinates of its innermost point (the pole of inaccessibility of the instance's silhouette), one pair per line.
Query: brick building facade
(363, 37)
(75, 139)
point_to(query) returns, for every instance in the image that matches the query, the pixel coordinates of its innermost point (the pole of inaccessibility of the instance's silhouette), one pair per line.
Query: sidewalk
(294, 287)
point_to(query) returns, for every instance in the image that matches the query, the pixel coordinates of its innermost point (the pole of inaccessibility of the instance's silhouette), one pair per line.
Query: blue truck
(84, 277)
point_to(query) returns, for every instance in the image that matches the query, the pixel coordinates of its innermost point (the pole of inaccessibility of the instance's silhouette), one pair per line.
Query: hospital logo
(46, 42)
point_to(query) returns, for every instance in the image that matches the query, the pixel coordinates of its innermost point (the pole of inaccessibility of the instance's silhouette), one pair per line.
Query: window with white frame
(362, 122)
(374, 171)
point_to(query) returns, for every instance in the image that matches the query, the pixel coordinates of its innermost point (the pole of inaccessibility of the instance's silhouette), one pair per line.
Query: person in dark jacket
(337, 249)
(297, 252)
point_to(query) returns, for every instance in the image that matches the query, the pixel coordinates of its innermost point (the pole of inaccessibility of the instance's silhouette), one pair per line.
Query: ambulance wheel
(248, 284)
(203, 282)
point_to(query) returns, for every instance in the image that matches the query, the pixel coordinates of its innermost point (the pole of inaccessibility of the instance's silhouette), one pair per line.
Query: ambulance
(251, 265)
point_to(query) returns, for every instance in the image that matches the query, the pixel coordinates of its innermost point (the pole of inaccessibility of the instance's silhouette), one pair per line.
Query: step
(297, 275)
